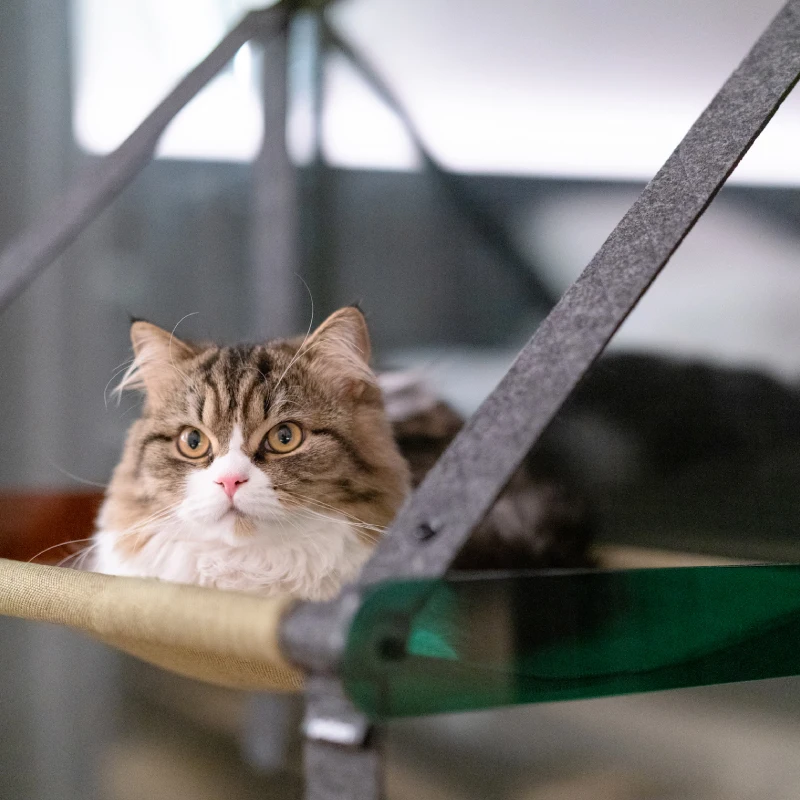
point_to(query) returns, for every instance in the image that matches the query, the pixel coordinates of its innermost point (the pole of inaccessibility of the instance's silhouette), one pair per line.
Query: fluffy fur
(301, 522)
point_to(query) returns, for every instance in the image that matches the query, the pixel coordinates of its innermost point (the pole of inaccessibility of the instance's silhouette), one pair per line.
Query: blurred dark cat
(273, 468)
(673, 452)
(537, 520)
(651, 450)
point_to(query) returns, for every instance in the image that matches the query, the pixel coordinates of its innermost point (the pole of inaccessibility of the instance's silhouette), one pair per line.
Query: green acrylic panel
(423, 647)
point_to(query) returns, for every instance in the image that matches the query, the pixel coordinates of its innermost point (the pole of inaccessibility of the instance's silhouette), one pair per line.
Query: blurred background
(540, 123)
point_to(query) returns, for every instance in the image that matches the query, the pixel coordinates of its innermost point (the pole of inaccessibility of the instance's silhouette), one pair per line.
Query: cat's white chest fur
(305, 557)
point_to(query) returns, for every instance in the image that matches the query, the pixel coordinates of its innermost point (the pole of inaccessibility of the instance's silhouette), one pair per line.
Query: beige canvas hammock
(226, 638)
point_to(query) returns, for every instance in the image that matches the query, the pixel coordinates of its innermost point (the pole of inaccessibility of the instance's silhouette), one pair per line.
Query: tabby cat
(268, 468)
(275, 467)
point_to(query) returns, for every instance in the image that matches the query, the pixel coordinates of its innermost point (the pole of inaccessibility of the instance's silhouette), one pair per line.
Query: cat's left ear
(340, 349)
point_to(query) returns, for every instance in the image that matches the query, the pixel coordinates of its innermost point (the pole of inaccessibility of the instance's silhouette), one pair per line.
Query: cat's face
(249, 443)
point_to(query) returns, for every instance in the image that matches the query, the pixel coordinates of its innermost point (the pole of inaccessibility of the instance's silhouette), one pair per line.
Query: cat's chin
(224, 515)
(237, 528)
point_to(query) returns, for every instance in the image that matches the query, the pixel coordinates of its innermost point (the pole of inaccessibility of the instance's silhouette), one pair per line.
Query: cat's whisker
(363, 526)
(330, 507)
(288, 520)
(124, 367)
(79, 558)
(55, 546)
(83, 556)
(76, 478)
(140, 528)
(142, 525)
(300, 350)
(281, 522)
(65, 561)
(129, 409)
(169, 346)
(160, 512)
(358, 528)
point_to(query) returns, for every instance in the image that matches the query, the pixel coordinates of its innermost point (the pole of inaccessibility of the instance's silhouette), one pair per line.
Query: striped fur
(303, 522)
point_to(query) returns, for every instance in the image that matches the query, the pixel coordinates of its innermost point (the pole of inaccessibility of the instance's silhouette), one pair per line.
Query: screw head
(427, 530)
(391, 648)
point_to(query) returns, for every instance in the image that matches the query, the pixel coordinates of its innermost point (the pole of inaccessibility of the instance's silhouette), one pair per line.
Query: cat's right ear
(157, 356)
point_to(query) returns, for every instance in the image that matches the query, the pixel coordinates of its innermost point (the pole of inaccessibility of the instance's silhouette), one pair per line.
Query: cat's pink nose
(230, 483)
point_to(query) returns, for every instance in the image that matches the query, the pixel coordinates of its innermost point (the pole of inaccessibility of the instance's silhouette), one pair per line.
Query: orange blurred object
(46, 527)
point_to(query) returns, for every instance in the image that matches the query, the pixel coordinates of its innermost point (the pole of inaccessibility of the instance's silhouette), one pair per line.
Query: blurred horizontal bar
(425, 647)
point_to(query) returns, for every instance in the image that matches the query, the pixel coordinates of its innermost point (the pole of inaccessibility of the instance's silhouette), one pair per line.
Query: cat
(269, 468)
(538, 520)
(274, 468)
(651, 449)
(673, 452)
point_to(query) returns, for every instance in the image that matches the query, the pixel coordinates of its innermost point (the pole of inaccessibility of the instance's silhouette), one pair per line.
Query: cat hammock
(401, 637)
(225, 638)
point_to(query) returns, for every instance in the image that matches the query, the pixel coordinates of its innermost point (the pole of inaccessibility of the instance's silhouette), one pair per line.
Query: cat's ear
(157, 356)
(340, 350)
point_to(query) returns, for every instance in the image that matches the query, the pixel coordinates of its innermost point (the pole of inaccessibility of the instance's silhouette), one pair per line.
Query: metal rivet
(390, 648)
(427, 530)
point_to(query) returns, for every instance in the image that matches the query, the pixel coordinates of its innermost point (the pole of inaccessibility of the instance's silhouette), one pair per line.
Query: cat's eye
(284, 438)
(193, 443)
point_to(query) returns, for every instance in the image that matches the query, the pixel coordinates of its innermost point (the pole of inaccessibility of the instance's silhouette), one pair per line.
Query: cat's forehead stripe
(200, 403)
(207, 364)
(238, 383)
(231, 372)
(236, 372)
(264, 363)
(252, 384)
(211, 393)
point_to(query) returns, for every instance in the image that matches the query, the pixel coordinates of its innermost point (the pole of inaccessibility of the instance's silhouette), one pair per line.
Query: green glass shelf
(423, 647)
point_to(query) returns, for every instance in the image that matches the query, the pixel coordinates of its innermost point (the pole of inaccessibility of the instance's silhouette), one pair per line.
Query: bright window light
(610, 138)
(504, 87)
(130, 53)
(552, 88)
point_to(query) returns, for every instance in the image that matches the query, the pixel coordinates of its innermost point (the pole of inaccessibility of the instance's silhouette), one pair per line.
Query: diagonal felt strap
(92, 191)
(454, 187)
(438, 518)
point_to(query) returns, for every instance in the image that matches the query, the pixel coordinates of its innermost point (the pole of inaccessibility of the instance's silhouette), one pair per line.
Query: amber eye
(193, 443)
(284, 438)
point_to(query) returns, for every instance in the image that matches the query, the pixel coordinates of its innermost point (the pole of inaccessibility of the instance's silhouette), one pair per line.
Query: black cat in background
(648, 450)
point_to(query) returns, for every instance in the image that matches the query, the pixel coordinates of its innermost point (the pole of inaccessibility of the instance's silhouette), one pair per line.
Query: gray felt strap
(37, 247)
(475, 213)
(458, 491)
